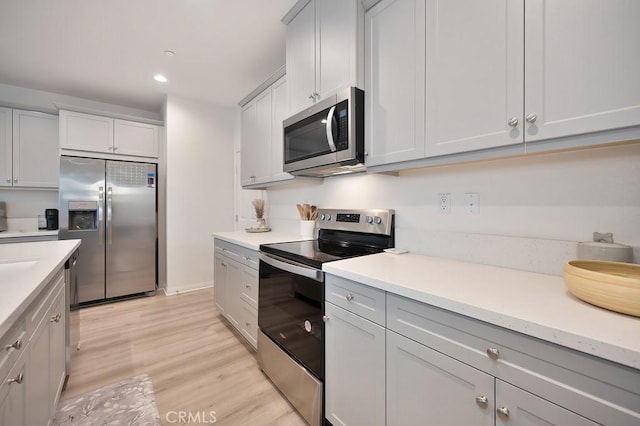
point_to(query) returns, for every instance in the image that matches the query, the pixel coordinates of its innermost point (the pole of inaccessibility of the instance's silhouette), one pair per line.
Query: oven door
(290, 310)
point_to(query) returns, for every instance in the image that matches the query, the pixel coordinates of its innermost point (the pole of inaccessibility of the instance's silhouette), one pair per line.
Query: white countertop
(21, 287)
(253, 240)
(533, 304)
(39, 233)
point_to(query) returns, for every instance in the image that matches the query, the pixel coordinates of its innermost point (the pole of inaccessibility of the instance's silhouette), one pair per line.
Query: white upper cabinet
(6, 147)
(85, 132)
(324, 49)
(475, 54)
(133, 138)
(280, 103)
(256, 140)
(92, 133)
(395, 79)
(29, 143)
(450, 77)
(262, 137)
(586, 79)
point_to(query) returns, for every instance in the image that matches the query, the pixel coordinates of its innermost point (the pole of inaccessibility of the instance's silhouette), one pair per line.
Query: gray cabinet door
(584, 80)
(35, 149)
(395, 81)
(426, 385)
(220, 283)
(515, 406)
(6, 147)
(301, 59)
(354, 369)
(233, 310)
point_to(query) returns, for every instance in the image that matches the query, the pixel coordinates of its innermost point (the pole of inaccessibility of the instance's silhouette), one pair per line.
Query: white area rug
(129, 402)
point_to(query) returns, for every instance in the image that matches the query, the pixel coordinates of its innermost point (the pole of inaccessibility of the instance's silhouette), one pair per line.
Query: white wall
(199, 189)
(533, 209)
(37, 100)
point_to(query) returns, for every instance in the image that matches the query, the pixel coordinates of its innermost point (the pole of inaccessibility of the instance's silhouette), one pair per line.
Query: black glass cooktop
(316, 252)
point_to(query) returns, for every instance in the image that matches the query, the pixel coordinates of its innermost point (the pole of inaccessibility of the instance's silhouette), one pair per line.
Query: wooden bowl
(610, 285)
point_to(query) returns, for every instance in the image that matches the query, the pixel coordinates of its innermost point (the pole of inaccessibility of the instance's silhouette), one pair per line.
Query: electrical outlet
(472, 203)
(444, 202)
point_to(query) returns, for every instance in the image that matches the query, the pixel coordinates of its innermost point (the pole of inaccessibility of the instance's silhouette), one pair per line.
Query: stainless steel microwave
(327, 138)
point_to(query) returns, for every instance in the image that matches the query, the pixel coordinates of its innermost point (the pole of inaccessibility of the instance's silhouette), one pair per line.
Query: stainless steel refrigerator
(111, 207)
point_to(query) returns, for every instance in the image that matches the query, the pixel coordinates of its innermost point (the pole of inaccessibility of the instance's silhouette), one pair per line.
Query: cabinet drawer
(249, 323)
(39, 308)
(249, 286)
(368, 302)
(12, 345)
(13, 394)
(236, 252)
(571, 379)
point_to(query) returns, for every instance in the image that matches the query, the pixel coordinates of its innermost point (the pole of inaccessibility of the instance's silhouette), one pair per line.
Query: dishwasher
(72, 316)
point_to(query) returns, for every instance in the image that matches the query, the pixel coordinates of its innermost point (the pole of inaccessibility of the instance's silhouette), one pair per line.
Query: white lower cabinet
(354, 369)
(236, 287)
(34, 350)
(518, 407)
(418, 364)
(13, 396)
(423, 381)
(46, 365)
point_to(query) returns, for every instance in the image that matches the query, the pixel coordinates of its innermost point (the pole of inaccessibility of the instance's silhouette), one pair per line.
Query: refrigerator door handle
(109, 213)
(100, 215)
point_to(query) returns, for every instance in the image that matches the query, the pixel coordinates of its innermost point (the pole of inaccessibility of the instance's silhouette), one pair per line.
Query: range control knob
(322, 216)
(368, 219)
(377, 220)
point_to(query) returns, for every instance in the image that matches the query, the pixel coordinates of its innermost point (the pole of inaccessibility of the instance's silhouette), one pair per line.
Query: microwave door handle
(332, 145)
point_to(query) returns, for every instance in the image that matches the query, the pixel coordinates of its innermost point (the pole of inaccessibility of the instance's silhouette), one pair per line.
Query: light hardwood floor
(196, 361)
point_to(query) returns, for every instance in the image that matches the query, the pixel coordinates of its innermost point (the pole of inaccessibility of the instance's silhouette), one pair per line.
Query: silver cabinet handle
(312, 96)
(55, 318)
(503, 412)
(15, 180)
(531, 118)
(325, 318)
(223, 264)
(115, 148)
(349, 297)
(247, 286)
(15, 345)
(8, 179)
(17, 380)
(482, 401)
(493, 353)
(513, 122)
(247, 324)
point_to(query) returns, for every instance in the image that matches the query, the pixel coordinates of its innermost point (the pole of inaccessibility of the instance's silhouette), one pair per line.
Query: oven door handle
(280, 263)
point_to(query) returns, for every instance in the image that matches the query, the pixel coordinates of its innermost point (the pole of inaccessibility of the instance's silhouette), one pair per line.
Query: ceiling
(109, 51)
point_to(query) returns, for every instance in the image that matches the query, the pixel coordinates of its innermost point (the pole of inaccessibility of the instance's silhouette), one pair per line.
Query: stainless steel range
(291, 300)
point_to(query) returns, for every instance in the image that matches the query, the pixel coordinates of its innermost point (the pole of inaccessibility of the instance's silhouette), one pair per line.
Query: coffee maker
(3, 216)
(52, 219)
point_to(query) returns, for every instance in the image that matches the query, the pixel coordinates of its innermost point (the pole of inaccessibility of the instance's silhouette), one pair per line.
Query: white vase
(306, 228)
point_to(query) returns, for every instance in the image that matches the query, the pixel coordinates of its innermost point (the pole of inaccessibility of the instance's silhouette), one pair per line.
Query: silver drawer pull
(493, 353)
(17, 380)
(482, 401)
(15, 345)
(247, 324)
(349, 297)
(325, 318)
(503, 412)
(247, 286)
(55, 318)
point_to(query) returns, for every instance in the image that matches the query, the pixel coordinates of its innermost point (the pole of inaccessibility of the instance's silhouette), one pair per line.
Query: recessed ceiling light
(160, 78)
(170, 53)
